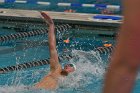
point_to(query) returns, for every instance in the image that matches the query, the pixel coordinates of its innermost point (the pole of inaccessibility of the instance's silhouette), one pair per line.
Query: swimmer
(50, 81)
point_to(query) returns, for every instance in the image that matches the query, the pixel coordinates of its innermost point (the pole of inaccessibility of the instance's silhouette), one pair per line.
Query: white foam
(12, 89)
(86, 69)
(89, 69)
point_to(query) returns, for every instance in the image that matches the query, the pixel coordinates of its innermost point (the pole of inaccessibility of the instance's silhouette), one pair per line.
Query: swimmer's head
(70, 67)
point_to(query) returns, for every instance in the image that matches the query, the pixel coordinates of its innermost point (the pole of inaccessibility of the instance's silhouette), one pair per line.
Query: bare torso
(50, 82)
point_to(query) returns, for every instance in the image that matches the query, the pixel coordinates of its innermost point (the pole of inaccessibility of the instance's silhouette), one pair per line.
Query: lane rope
(101, 50)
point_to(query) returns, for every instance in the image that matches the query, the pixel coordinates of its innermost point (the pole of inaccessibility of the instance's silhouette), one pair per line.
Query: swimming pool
(91, 65)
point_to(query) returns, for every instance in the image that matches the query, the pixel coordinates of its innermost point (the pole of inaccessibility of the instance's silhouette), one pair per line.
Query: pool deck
(58, 17)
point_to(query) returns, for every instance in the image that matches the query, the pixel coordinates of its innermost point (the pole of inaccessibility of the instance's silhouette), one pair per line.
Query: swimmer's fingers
(47, 17)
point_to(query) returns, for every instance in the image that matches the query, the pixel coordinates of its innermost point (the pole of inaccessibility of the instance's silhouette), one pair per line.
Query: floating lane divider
(26, 2)
(31, 33)
(101, 50)
(103, 6)
(16, 36)
(24, 66)
(104, 50)
(30, 64)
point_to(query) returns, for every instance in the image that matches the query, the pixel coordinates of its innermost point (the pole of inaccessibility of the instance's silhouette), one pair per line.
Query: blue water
(88, 77)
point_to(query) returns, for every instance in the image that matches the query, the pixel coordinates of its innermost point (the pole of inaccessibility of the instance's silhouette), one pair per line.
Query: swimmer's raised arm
(52, 42)
(125, 62)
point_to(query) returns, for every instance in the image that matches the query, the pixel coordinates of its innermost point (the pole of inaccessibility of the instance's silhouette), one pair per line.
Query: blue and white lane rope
(102, 6)
(25, 2)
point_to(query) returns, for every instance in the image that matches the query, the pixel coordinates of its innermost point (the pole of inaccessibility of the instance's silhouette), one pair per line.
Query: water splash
(90, 70)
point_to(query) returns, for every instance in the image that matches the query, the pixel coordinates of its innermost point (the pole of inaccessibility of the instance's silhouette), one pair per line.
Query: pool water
(91, 65)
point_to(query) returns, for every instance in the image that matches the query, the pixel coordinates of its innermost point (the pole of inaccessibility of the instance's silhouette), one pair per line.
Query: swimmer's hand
(47, 18)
